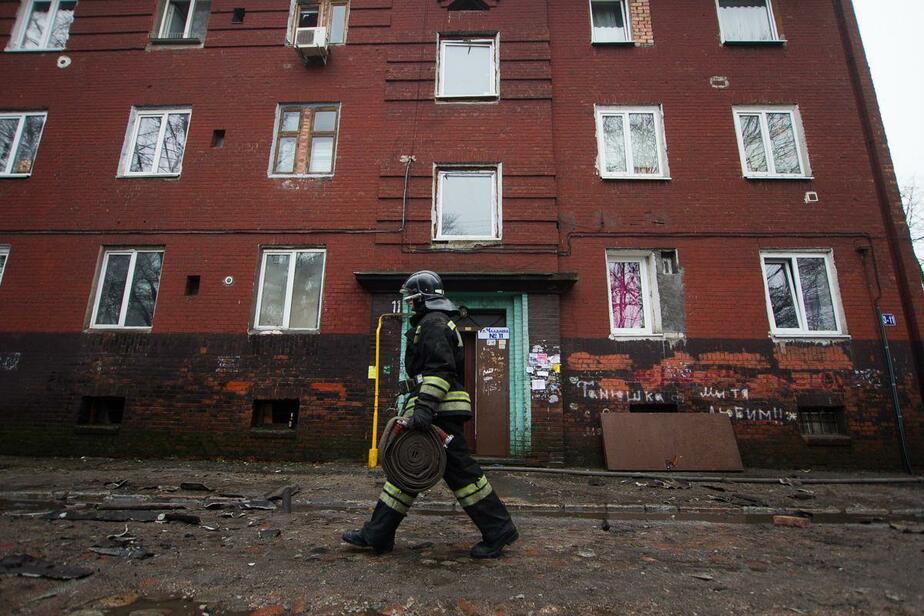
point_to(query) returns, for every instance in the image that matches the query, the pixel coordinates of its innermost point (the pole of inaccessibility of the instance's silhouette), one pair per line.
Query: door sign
(494, 333)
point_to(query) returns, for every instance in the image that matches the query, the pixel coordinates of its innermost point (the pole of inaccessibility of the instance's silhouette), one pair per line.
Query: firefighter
(435, 358)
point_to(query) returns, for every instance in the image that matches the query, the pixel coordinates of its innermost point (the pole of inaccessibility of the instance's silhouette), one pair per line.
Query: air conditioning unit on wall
(311, 43)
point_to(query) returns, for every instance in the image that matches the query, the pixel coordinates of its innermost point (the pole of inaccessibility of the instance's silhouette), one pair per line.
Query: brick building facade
(683, 206)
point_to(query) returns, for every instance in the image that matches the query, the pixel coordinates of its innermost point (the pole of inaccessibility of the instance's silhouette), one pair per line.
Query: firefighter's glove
(421, 419)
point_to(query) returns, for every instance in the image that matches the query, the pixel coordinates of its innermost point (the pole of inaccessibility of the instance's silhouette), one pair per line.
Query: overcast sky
(893, 34)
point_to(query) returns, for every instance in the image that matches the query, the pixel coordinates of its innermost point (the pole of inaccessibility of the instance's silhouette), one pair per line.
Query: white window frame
(495, 171)
(190, 17)
(601, 111)
(801, 144)
(4, 252)
(773, 29)
(651, 299)
(796, 285)
(21, 26)
(17, 139)
(271, 170)
(129, 283)
(290, 282)
(444, 41)
(627, 19)
(131, 137)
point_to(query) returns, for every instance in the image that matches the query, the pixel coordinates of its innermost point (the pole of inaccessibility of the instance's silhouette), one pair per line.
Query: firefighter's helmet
(427, 287)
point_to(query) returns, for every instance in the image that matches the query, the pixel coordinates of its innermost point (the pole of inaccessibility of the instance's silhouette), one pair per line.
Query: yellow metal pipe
(374, 450)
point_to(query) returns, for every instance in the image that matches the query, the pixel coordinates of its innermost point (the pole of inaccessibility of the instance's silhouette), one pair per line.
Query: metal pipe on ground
(708, 478)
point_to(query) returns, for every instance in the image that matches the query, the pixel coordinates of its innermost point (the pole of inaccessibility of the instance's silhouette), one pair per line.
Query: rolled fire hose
(413, 460)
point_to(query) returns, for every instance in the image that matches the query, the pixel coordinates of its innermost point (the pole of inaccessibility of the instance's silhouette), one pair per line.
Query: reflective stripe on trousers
(473, 492)
(393, 497)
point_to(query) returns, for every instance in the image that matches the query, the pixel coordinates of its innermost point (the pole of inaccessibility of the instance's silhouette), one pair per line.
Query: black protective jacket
(435, 363)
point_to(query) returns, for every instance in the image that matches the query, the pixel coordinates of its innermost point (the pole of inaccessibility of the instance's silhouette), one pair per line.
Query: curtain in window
(626, 295)
(745, 20)
(608, 22)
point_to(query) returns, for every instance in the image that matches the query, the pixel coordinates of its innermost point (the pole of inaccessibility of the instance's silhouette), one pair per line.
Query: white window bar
(126, 293)
(445, 87)
(137, 119)
(292, 255)
(790, 263)
(769, 147)
(630, 171)
(442, 231)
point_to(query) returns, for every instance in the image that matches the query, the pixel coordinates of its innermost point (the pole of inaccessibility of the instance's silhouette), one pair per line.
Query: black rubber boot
(355, 537)
(494, 548)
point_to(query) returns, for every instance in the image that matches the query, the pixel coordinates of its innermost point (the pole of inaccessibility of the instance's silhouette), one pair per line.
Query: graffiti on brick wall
(9, 361)
(596, 390)
(766, 414)
(228, 363)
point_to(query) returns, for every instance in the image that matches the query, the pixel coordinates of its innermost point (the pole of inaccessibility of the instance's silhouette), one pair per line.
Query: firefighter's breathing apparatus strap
(413, 460)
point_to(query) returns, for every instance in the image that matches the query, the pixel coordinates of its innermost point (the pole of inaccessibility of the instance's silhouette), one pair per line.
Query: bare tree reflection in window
(28, 144)
(644, 141)
(113, 291)
(146, 144)
(782, 294)
(783, 141)
(816, 294)
(8, 128)
(171, 157)
(626, 295)
(145, 284)
(753, 143)
(614, 142)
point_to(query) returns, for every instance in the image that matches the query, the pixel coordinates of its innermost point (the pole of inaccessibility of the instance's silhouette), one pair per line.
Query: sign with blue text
(494, 333)
(888, 319)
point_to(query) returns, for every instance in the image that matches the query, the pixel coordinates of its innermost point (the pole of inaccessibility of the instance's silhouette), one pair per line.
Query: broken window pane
(782, 294)
(816, 294)
(171, 154)
(753, 139)
(109, 308)
(467, 207)
(145, 283)
(644, 141)
(609, 24)
(272, 300)
(146, 144)
(745, 20)
(338, 23)
(467, 69)
(783, 140)
(626, 299)
(614, 140)
(306, 290)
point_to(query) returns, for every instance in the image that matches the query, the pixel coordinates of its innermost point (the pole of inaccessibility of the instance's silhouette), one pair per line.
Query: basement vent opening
(653, 408)
(275, 414)
(218, 138)
(101, 410)
(237, 17)
(192, 285)
(467, 5)
(822, 421)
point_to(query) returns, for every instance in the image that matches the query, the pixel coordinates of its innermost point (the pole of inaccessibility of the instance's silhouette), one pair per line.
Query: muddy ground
(579, 560)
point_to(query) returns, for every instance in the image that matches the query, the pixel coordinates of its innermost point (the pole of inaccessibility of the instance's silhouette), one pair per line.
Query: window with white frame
(42, 25)
(633, 294)
(4, 257)
(20, 134)
(468, 203)
(155, 142)
(290, 289)
(467, 68)
(630, 142)
(609, 20)
(305, 141)
(330, 14)
(126, 293)
(802, 296)
(771, 142)
(746, 21)
(182, 19)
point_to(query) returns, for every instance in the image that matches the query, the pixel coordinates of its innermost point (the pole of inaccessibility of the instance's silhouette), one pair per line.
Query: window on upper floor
(290, 289)
(4, 257)
(42, 25)
(468, 203)
(630, 143)
(20, 134)
(126, 292)
(802, 295)
(467, 68)
(747, 21)
(771, 142)
(332, 15)
(155, 142)
(305, 141)
(184, 20)
(610, 21)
